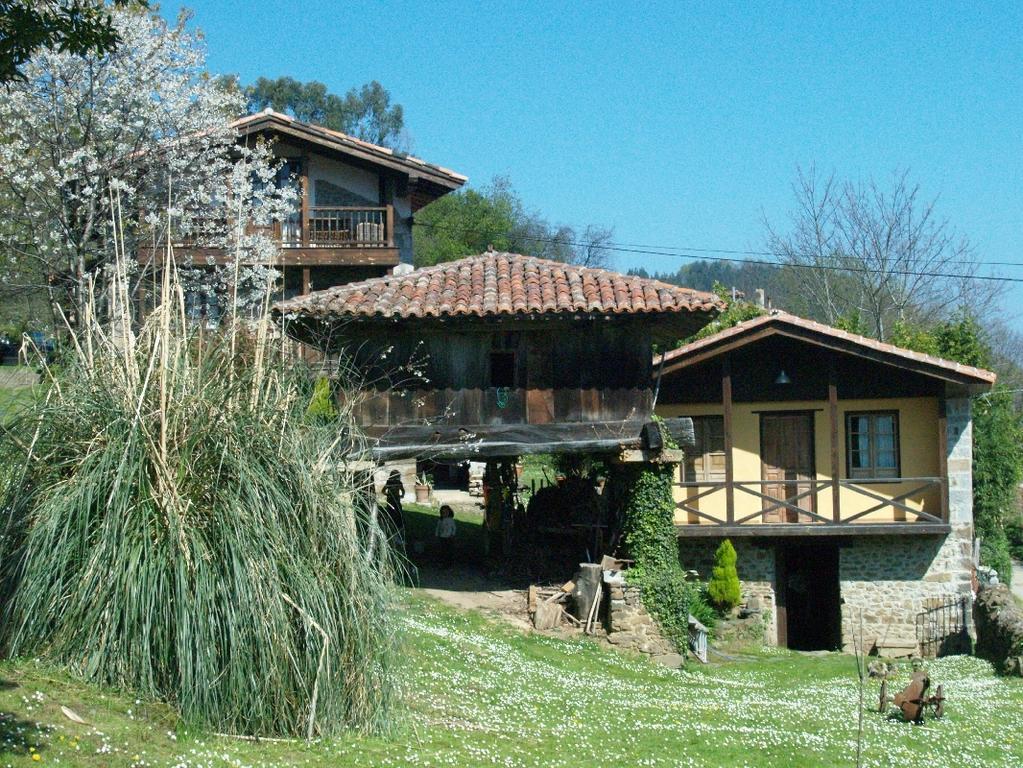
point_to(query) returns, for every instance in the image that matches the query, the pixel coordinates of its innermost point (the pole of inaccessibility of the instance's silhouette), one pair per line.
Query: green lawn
(479, 694)
(13, 392)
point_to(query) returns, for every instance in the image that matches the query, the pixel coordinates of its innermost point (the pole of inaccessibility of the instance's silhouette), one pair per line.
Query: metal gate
(942, 628)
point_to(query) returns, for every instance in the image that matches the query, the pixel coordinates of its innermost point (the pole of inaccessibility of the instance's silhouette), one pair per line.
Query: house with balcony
(356, 201)
(838, 466)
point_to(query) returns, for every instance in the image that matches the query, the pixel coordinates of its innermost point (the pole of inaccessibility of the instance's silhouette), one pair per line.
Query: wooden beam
(305, 198)
(343, 256)
(726, 399)
(306, 280)
(825, 341)
(809, 530)
(390, 226)
(836, 490)
(646, 456)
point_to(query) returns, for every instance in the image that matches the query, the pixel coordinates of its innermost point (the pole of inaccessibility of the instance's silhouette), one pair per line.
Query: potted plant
(424, 484)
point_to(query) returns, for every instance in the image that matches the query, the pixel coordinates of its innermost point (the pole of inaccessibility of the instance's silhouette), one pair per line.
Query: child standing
(445, 532)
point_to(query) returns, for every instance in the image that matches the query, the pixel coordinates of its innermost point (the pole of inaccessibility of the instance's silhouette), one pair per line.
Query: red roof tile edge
(500, 284)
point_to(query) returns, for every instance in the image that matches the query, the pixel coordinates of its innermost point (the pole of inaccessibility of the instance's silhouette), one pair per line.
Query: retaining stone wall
(629, 625)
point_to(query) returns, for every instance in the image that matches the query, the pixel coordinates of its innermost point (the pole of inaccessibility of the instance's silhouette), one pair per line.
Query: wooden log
(587, 583)
(547, 616)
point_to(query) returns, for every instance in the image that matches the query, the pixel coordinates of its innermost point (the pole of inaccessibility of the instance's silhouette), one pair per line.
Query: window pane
(885, 425)
(859, 460)
(885, 443)
(858, 424)
(886, 459)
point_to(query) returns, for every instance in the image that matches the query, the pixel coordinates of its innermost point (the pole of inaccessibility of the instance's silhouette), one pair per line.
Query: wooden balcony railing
(797, 491)
(339, 227)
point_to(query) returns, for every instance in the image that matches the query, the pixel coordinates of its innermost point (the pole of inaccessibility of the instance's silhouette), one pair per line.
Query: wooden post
(305, 200)
(390, 226)
(305, 280)
(726, 400)
(836, 488)
(943, 457)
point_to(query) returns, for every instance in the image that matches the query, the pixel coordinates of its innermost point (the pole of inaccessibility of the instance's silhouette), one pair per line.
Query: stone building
(838, 466)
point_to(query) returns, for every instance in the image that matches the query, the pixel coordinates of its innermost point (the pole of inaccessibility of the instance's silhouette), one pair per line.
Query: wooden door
(787, 467)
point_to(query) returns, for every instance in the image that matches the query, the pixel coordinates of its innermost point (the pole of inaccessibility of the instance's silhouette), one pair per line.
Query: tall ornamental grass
(172, 522)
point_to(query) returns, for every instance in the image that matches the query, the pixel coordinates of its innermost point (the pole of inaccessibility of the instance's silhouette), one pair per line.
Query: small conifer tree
(724, 579)
(321, 406)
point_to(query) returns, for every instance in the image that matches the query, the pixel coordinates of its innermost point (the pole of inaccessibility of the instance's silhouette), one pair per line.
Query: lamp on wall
(783, 378)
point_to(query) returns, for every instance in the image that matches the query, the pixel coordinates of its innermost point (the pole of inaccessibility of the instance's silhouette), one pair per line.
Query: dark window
(706, 460)
(502, 369)
(872, 444)
(503, 359)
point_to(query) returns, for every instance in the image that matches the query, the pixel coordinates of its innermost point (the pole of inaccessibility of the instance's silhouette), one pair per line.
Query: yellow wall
(918, 448)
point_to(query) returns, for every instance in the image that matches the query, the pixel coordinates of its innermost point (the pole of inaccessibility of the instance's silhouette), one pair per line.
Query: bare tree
(879, 251)
(593, 247)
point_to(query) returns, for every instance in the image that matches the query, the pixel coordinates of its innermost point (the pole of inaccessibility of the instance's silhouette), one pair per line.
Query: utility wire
(690, 253)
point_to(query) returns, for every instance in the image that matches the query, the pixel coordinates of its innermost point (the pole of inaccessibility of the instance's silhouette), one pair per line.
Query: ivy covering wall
(650, 540)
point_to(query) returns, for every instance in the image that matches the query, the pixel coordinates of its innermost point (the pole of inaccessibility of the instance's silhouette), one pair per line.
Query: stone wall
(959, 451)
(891, 578)
(629, 626)
(755, 565)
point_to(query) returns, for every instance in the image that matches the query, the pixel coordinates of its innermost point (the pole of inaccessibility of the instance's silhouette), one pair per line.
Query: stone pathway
(1017, 580)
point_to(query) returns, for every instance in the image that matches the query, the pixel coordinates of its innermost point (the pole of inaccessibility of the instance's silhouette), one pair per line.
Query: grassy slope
(480, 694)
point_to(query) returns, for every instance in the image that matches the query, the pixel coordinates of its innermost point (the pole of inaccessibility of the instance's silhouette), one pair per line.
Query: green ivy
(736, 311)
(650, 539)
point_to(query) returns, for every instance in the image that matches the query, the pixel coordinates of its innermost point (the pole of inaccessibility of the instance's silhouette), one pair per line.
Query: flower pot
(422, 493)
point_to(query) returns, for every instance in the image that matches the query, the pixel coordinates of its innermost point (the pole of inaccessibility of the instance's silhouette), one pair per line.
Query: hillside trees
(469, 221)
(143, 123)
(365, 112)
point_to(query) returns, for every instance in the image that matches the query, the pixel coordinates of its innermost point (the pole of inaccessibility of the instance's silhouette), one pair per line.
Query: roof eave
(713, 346)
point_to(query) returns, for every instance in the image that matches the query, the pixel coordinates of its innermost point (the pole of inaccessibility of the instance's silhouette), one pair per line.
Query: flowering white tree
(142, 129)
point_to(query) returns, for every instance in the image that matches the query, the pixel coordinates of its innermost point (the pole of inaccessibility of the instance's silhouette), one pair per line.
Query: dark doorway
(787, 469)
(809, 610)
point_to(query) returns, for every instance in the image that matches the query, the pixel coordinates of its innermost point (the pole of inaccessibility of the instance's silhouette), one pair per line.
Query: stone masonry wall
(629, 625)
(959, 450)
(891, 578)
(755, 565)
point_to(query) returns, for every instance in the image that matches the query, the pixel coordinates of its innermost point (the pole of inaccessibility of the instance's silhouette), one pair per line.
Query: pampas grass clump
(173, 523)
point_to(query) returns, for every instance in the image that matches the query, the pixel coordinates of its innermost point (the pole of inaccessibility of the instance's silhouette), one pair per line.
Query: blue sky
(678, 124)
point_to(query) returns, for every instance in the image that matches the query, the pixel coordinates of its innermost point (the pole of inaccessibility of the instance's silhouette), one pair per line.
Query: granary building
(839, 467)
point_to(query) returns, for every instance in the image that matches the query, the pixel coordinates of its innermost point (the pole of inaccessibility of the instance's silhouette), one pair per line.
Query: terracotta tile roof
(780, 319)
(495, 283)
(343, 140)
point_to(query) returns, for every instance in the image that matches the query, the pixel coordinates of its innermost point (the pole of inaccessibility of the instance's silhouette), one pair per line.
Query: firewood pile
(547, 605)
(576, 602)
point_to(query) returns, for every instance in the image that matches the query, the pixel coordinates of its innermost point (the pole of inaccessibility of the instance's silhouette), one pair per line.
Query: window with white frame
(872, 444)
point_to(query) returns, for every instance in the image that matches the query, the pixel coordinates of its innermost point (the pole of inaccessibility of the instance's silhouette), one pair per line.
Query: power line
(690, 253)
